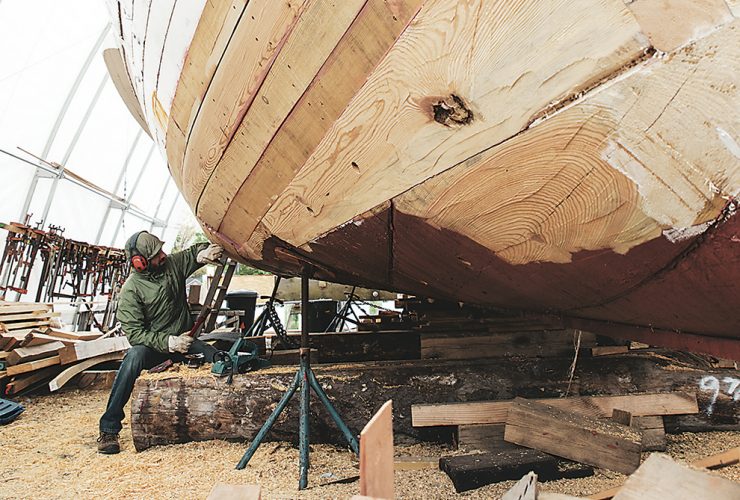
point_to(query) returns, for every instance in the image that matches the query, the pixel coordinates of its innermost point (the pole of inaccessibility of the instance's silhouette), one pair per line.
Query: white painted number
(712, 384)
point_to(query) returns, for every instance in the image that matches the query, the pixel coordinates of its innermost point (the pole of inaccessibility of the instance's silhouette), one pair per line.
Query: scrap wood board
(494, 412)
(85, 350)
(601, 443)
(376, 454)
(659, 478)
(33, 365)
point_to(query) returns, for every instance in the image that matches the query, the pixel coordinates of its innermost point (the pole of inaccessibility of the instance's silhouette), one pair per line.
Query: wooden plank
(20, 307)
(650, 428)
(119, 75)
(570, 435)
(18, 384)
(33, 365)
(34, 315)
(729, 457)
(26, 324)
(482, 437)
(45, 338)
(416, 463)
(73, 335)
(606, 350)
(468, 472)
(494, 412)
(376, 454)
(85, 350)
(291, 357)
(257, 40)
(100, 379)
(73, 370)
(286, 89)
(659, 477)
(25, 354)
(223, 491)
(526, 488)
(531, 344)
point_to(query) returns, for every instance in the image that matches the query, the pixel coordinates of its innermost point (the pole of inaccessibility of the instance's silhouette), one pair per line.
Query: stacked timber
(33, 357)
(19, 318)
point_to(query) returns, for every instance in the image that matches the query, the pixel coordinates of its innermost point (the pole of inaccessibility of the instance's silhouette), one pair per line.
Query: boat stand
(305, 380)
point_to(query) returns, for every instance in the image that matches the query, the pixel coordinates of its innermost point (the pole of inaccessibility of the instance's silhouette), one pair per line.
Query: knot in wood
(452, 111)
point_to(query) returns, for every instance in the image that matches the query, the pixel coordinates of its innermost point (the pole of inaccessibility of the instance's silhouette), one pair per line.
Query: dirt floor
(50, 452)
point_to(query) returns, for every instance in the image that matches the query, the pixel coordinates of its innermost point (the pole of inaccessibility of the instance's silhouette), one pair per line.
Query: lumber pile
(33, 354)
(520, 435)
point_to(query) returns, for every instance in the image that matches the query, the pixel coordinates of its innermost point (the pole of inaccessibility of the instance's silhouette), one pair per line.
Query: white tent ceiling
(80, 122)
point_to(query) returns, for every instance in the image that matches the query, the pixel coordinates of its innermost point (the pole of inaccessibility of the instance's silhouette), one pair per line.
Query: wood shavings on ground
(50, 452)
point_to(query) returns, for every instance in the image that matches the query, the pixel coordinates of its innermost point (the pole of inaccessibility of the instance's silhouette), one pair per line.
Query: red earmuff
(140, 263)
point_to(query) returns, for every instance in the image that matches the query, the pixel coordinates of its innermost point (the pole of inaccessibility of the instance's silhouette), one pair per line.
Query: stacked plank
(553, 437)
(33, 356)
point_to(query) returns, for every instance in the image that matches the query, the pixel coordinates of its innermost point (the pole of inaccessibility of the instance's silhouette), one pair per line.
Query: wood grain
(376, 454)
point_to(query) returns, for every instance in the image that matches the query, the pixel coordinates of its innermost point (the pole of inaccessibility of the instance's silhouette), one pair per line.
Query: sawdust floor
(50, 452)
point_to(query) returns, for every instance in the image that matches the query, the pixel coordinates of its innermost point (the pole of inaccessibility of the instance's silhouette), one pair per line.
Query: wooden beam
(494, 412)
(482, 437)
(600, 443)
(33, 365)
(93, 348)
(468, 472)
(376, 454)
(73, 335)
(25, 354)
(660, 477)
(73, 370)
(416, 463)
(719, 460)
(18, 384)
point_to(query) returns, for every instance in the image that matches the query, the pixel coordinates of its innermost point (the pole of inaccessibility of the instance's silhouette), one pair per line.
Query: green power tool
(241, 358)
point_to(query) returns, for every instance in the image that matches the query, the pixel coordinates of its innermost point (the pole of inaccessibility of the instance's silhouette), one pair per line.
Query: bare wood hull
(577, 157)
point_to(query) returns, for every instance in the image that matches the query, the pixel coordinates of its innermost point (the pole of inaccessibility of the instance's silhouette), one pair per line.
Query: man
(154, 315)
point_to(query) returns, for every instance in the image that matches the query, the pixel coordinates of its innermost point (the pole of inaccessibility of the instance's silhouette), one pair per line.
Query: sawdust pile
(50, 452)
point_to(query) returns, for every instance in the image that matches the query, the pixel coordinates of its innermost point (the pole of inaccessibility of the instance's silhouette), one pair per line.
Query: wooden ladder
(217, 291)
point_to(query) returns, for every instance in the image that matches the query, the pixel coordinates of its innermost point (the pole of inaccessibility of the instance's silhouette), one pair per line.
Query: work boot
(108, 443)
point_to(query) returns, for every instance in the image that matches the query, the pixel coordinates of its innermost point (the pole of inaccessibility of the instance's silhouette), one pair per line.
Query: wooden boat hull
(573, 157)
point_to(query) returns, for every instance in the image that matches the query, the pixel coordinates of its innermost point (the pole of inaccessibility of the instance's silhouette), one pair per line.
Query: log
(169, 409)
(600, 443)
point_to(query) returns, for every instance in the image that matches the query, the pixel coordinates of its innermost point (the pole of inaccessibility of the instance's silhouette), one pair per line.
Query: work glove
(210, 255)
(180, 343)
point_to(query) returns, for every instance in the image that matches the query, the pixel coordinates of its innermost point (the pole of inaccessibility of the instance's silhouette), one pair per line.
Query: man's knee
(136, 358)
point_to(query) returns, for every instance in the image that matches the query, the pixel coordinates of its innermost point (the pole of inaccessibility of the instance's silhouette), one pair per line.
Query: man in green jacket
(154, 315)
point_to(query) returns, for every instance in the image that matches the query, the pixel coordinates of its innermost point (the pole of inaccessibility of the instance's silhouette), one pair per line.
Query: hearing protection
(138, 260)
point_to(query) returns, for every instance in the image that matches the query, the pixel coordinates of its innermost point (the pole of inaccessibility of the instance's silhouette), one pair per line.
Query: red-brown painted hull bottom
(683, 295)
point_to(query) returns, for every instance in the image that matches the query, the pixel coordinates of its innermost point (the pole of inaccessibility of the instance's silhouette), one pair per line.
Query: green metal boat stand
(305, 380)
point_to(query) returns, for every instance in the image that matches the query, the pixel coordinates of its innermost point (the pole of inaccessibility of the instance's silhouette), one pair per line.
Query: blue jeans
(139, 358)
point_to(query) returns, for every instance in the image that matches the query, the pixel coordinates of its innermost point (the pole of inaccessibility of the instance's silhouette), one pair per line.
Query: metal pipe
(303, 432)
(71, 147)
(161, 198)
(62, 113)
(131, 194)
(118, 185)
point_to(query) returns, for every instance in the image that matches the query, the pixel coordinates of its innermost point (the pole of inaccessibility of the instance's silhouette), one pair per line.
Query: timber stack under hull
(573, 157)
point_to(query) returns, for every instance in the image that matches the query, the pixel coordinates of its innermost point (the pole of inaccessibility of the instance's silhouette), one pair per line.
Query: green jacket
(153, 306)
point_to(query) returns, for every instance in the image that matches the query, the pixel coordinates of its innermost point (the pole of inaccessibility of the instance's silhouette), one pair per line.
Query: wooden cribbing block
(25, 354)
(729, 457)
(494, 412)
(468, 472)
(223, 491)
(33, 365)
(482, 437)
(376, 454)
(86, 350)
(650, 428)
(574, 436)
(659, 478)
